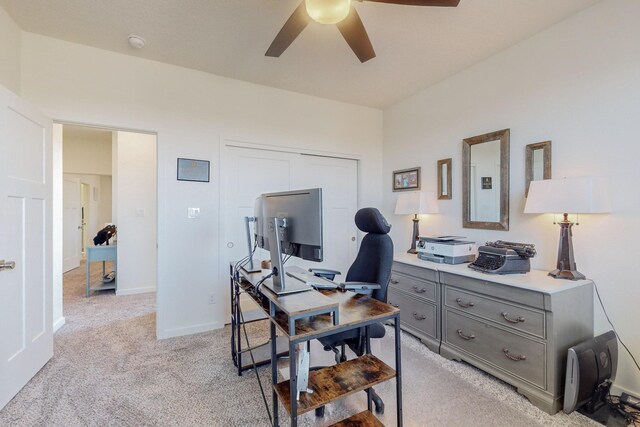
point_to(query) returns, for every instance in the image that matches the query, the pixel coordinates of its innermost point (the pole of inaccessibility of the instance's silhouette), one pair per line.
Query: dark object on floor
(104, 235)
(108, 278)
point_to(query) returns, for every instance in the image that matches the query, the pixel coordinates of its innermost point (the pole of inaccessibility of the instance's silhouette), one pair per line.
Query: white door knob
(230, 245)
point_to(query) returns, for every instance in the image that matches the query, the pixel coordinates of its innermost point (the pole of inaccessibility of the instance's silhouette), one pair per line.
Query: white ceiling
(415, 46)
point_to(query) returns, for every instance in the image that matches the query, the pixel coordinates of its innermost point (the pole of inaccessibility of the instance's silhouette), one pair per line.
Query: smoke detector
(136, 41)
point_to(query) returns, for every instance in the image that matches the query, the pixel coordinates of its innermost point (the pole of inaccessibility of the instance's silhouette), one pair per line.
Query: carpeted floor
(109, 370)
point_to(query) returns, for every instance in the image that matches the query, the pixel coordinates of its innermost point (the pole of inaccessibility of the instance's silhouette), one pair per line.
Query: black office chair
(369, 274)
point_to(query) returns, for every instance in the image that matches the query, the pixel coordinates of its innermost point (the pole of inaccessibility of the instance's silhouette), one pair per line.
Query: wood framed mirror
(444, 179)
(537, 163)
(485, 181)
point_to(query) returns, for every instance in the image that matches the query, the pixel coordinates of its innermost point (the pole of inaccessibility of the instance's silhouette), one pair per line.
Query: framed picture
(193, 170)
(406, 179)
(486, 183)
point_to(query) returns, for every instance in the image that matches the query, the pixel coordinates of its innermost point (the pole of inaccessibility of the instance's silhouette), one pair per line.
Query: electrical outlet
(212, 298)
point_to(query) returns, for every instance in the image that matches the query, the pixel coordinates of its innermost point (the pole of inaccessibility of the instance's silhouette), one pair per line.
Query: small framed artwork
(193, 170)
(486, 182)
(406, 179)
(444, 179)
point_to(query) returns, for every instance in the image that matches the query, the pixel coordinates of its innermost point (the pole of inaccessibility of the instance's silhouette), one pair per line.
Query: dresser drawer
(419, 272)
(521, 318)
(520, 356)
(416, 287)
(418, 314)
(487, 287)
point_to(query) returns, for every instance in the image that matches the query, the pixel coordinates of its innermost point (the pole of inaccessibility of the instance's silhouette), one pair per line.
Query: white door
(26, 334)
(72, 224)
(246, 173)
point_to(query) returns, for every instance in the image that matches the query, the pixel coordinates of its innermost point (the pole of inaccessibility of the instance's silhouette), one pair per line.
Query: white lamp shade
(568, 195)
(416, 202)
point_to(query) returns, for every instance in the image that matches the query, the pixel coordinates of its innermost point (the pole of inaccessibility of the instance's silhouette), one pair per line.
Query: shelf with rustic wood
(337, 381)
(363, 419)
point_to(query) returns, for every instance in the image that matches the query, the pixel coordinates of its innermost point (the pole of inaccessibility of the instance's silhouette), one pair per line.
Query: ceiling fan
(344, 15)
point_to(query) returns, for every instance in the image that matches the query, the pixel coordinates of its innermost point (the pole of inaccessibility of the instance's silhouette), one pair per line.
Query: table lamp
(569, 195)
(416, 203)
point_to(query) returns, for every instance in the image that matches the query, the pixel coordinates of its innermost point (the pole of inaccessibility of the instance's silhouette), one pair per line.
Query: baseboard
(134, 291)
(189, 330)
(58, 324)
(616, 390)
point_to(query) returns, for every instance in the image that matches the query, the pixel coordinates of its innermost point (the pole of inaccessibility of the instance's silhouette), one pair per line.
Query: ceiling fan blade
(444, 3)
(290, 30)
(353, 31)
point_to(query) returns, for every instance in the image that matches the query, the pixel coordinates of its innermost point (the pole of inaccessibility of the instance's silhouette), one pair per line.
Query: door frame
(57, 171)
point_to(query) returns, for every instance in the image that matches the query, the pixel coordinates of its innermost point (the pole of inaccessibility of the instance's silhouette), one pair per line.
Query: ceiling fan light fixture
(328, 11)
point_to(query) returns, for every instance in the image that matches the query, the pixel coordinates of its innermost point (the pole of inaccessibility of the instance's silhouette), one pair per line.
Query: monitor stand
(278, 283)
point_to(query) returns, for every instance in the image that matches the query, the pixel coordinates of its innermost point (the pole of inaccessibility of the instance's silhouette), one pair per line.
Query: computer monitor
(591, 369)
(292, 226)
(259, 227)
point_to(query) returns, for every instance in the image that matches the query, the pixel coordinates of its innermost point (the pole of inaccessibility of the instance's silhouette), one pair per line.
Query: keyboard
(309, 278)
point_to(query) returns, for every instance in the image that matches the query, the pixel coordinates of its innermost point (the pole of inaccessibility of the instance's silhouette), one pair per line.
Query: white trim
(189, 330)
(616, 390)
(233, 142)
(58, 324)
(135, 291)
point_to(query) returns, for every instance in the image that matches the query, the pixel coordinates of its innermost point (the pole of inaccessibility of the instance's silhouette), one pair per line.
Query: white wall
(87, 156)
(577, 84)
(135, 186)
(10, 35)
(191, 111)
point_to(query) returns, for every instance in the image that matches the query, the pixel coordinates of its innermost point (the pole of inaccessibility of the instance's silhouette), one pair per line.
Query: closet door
(247, 172)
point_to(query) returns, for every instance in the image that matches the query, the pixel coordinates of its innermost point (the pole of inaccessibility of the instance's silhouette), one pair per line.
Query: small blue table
(104, 254)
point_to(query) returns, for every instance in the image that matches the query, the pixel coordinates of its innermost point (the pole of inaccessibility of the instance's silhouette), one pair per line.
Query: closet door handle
(464, 304)
(465, 337)
(419, 290)
(506, 317)
(517, 358)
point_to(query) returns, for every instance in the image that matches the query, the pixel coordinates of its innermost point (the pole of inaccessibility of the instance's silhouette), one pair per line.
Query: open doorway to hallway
(109, 179)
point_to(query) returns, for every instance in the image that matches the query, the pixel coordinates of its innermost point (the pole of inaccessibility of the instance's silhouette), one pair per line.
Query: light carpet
(108, 369)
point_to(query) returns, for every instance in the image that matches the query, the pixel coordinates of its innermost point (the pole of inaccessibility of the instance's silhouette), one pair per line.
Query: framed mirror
(537, 163)
(485, 181)
(444, 179)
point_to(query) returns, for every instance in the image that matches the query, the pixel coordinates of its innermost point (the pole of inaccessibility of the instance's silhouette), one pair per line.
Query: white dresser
(516, 327)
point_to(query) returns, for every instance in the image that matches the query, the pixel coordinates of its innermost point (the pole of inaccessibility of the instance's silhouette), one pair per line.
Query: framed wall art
(406, 179)
(193, 170)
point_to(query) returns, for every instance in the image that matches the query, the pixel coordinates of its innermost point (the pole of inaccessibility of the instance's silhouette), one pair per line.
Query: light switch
(140, 212)
(193, 213)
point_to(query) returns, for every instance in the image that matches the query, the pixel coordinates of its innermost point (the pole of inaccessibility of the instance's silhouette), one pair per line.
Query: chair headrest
(370, 220)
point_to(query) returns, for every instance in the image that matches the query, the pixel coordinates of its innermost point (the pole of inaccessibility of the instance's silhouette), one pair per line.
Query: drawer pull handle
(465, 337)
(394, 282)
(464, 304)
(419, 316)
(506, 317)
(419, 290)
(517, 358)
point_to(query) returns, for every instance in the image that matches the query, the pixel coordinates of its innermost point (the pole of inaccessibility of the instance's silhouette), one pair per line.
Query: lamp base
(415, 235)
(566, 274)
(412, 251)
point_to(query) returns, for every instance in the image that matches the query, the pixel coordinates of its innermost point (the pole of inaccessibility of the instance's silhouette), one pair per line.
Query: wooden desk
(104, 254)
(285, 313)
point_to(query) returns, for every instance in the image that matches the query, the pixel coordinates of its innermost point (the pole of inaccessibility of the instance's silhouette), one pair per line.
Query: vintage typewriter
(504, 257)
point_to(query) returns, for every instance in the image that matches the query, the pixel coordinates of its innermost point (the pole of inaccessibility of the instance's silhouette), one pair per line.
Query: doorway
(109, 178)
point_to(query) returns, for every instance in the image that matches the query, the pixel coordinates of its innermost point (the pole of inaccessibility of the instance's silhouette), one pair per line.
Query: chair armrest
(358, 286)
(325, 272)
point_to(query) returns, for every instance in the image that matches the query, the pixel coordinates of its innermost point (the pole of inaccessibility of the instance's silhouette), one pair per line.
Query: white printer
(446, 249)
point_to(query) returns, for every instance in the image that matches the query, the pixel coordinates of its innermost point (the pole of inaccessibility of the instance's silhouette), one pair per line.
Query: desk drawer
(523, 319)
(418, 272)
(520, 356)
(419, 288)
(418, 314)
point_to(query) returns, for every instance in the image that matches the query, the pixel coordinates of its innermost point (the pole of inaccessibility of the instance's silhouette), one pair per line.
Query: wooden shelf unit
(355, 375)
(363, 419)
